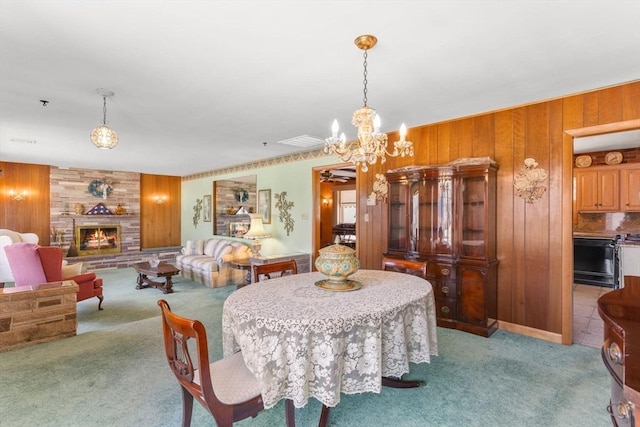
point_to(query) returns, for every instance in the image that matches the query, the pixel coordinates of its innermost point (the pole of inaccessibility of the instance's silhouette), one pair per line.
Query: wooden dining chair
(266, 270)
(226, 387)
(410, 266)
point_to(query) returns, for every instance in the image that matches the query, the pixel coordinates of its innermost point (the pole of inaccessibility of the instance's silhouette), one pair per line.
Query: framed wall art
(206, 208)
(264, 205)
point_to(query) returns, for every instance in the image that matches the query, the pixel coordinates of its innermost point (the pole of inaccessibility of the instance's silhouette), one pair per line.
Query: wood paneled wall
(30, 215)
(159, 223)
(534, 240)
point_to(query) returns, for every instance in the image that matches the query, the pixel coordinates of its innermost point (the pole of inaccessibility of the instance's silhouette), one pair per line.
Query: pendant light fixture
(103, 136)
(371, 143)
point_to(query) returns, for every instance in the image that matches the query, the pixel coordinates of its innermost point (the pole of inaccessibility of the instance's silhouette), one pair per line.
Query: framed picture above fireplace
(98, 239)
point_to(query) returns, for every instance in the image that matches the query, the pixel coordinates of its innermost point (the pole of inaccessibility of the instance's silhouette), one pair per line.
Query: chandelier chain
(364, 81)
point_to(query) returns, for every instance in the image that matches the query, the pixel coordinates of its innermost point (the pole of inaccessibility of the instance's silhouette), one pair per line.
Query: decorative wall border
(273, 161)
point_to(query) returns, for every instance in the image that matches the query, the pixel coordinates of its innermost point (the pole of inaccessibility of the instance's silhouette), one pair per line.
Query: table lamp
(256, 232)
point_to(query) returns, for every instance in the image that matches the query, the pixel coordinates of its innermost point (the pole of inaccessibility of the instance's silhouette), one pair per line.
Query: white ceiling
(201, 85)
(608, 141)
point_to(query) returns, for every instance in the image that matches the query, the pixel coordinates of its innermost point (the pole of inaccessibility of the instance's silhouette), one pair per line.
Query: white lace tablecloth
(302, 341)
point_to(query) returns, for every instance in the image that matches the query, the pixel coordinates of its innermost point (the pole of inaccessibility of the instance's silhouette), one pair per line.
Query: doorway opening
(580, 320)
(335, 207)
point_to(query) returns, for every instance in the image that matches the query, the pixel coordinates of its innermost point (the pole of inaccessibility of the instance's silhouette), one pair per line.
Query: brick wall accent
(70, 187)
(36, 314)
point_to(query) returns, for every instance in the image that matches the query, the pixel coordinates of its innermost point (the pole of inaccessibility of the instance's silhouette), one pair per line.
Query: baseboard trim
(530, 332)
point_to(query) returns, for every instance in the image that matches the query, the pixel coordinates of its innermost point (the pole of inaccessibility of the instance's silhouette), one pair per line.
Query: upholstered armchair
(9, 237)
(32, 264)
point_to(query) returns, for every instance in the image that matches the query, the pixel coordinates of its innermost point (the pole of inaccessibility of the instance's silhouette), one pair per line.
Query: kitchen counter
(600, 234)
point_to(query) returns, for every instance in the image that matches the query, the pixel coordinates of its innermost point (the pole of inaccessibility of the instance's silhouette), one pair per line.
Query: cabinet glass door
(398, 216)
(431, 216)
(473, 217)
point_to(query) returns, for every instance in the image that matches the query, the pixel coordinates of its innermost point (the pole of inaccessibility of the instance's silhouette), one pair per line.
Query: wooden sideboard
(620, 311)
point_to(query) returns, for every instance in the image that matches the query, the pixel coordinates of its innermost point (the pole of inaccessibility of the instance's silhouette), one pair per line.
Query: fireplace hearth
(98, 239)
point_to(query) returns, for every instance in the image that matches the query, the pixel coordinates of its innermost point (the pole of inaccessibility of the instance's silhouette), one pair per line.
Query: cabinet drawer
(446, 308)
(440, 271)
(442, 278)
(443, 288)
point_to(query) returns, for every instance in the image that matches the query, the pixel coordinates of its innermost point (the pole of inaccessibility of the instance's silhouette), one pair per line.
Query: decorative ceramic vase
(337, 262)
(154, 261)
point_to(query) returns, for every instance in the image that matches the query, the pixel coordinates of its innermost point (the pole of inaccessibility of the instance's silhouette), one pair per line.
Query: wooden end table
(163, 269)
(243, 264)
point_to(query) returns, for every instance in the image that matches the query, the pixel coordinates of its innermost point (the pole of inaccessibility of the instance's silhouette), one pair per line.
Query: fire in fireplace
(98, 239)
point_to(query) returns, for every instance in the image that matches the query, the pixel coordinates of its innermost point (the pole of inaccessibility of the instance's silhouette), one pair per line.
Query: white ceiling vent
(23, 141)
(303, 141)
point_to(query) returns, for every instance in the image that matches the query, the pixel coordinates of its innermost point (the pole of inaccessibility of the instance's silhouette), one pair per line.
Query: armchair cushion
(71, 270)
(25, 264)
(51, 260)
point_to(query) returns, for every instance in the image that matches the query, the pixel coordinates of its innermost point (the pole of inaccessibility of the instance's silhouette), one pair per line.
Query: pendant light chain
(104, 110)
(364, 98)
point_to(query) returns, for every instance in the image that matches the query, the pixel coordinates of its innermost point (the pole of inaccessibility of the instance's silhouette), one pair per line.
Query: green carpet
(114, 373)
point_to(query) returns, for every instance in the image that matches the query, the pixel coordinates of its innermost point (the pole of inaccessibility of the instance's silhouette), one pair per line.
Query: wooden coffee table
(162, 270)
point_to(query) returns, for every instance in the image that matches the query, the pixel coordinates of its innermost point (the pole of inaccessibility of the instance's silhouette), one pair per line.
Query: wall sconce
(160, 200)
(325, 202)
(18, 197)
(527, 184)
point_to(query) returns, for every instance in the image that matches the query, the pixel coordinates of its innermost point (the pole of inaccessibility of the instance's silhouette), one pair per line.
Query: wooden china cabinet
(446, 215)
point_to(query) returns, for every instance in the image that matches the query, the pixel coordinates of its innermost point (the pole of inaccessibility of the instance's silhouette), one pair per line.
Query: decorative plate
(613, 158)
(583, 161)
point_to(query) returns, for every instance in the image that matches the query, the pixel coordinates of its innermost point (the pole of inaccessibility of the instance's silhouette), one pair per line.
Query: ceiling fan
(329, 176)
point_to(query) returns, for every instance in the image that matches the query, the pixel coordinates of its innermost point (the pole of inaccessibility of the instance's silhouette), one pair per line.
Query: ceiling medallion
(371, 143)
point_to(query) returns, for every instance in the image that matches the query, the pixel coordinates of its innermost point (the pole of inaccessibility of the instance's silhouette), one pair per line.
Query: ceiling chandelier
(371, 143)
(103, 136)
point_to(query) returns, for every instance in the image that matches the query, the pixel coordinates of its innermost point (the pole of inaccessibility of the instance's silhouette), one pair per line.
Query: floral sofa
(208, 261)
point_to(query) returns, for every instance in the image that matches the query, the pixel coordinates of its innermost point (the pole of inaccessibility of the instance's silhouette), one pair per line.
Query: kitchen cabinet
(630, 188)
(446, 215)
(597, 189)
(608, 188)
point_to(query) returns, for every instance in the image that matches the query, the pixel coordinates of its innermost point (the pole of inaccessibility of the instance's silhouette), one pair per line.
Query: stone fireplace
(98, 239)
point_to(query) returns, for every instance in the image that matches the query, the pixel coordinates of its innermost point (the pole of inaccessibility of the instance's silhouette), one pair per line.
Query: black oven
(595, 261)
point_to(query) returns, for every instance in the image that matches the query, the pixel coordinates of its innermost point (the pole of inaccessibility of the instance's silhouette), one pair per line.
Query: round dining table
(303, 341)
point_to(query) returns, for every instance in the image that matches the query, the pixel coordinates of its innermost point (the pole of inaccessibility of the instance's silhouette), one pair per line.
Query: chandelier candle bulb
(403, 132)
(377, 123)
(335, 127)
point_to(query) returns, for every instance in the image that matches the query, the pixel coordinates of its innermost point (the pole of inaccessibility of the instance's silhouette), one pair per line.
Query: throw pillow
(71, 270)
(194, 247)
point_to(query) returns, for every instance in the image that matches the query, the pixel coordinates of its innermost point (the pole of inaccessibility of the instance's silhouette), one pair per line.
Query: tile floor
(587, 325)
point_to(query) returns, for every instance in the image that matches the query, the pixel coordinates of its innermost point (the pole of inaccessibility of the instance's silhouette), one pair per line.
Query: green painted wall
(294, 177)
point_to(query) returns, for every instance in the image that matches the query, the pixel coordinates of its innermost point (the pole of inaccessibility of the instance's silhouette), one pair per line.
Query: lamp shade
(256, 228)
(104, 137)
